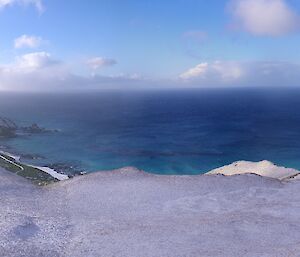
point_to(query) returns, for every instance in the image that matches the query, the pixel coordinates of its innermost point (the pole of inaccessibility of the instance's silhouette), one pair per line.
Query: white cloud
(100, 62)
(4, 3)
(199, 70)
(27, 41)
(228, 71)
(265, 17)
(222, 71)
(37, 3)
(38, 71)
(33, 71)
(35, 61)
(226, 74)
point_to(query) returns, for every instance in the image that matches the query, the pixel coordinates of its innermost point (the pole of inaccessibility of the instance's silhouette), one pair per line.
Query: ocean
(159, 131)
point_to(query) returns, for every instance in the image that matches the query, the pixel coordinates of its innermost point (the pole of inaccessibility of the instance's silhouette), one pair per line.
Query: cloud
(37, 3)
(27, 41)
(229, 73)
(34, 61)
(39, 71)
(264, 17)
(223, 71)
(195, 72)
(100, 62)
(33, 71)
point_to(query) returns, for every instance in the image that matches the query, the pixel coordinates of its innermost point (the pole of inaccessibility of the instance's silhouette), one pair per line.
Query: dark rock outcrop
(8, 128)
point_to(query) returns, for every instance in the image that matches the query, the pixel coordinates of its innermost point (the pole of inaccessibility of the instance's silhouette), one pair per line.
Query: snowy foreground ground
(134, 214)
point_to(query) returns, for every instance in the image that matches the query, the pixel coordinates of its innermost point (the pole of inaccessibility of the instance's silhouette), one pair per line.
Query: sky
(102, 44)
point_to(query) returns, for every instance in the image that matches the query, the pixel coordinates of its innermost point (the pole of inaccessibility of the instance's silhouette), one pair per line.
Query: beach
(128, 212)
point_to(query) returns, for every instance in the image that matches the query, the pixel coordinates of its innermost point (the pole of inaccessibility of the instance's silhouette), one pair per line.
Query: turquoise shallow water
(168, 132)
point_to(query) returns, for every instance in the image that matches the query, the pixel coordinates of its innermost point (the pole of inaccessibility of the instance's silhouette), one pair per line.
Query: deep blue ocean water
(168, 132)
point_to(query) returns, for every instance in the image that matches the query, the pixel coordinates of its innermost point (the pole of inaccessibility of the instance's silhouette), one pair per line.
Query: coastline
(43, 175)
(263, 168)
(13, 164)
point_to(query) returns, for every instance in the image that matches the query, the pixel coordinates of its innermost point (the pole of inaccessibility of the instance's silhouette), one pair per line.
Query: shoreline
(263, 168)
(63, 171)
(23, 169)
